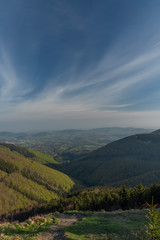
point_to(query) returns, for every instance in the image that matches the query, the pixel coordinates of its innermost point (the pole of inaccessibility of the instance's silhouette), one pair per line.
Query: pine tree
(152, 228)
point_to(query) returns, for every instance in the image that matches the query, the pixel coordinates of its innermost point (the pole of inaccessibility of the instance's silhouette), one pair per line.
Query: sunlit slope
(11, 200)
(28, 182)
(29, 188)
(131, 160)
(43, 158)
(31, 154)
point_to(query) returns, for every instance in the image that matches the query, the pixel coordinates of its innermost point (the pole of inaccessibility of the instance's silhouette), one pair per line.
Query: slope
(25, 182)
(131, 160)
(32, 154)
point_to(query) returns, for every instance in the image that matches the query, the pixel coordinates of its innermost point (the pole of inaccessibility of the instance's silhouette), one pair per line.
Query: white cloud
(11, 87)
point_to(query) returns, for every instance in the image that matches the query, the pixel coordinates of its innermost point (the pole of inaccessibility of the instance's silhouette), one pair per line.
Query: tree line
(95, 199)
(107, 198)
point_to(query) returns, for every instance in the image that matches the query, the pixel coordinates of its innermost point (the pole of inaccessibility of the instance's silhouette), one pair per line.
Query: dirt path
(56, 232)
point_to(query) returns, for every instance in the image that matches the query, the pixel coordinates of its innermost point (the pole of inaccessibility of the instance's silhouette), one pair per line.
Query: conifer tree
(152, 228)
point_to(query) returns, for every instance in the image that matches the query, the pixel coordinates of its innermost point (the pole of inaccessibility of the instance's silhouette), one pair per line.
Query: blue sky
(79, 64)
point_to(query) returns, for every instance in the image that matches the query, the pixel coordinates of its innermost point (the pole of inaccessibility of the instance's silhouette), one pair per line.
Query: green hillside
(11, 200)
(24, 182)
(32, 154)
(131, 160)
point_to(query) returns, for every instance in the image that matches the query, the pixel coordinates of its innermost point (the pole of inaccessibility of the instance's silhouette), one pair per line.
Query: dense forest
(108, 198)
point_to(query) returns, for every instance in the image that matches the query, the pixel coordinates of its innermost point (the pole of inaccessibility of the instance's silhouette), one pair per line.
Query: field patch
(117, 225)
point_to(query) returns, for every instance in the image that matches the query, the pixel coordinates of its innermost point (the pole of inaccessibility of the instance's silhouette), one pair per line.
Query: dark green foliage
(107, 198)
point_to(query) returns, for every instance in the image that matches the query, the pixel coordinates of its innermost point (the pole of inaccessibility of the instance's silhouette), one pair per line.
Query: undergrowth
(27, 229)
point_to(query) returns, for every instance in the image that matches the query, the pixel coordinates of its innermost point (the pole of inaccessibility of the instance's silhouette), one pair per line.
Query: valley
(96, 190)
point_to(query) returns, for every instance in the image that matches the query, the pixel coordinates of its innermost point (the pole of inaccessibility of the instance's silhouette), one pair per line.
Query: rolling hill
(25, 182)
(130, 161)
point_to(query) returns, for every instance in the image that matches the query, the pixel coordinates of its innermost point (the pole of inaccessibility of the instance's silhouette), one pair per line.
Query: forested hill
(25, 182)
(131, 160)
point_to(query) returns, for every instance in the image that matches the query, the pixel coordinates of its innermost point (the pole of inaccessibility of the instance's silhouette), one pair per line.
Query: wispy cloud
(103, 85)
(12, 88)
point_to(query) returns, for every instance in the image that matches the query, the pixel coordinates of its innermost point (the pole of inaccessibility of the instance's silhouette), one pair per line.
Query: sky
(79, 64)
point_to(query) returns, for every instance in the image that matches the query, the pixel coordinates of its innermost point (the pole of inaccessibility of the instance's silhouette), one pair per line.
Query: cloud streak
(105, 87)
(12, 89)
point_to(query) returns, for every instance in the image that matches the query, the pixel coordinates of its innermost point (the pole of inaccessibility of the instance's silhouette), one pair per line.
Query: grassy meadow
(116, 225)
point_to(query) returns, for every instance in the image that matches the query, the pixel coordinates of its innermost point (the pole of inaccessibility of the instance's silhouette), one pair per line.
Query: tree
(152, 228)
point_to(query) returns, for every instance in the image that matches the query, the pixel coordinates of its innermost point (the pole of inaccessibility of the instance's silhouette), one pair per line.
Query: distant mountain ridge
(130, 161)
(156, 132)
(70, 144)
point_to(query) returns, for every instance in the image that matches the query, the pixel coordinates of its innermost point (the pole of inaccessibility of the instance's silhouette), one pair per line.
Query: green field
(115, 225)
